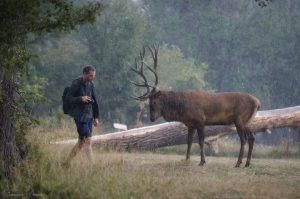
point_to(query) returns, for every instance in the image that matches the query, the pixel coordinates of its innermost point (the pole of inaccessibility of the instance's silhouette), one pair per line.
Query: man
(84, 110)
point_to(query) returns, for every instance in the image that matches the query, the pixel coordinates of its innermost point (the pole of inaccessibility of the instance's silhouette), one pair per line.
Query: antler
(140, 71)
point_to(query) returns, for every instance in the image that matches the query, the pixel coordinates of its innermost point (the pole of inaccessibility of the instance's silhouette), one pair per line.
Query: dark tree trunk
(9, 152)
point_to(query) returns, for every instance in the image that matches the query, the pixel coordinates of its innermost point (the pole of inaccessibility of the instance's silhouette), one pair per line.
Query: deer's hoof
(202, 163)
(238, 164)
(247, 164)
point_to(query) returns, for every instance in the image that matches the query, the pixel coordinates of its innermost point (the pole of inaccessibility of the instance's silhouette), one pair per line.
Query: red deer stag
(196, 109)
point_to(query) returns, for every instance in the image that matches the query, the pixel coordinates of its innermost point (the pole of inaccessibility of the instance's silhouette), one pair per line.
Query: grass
(230, 148)
(147, 175)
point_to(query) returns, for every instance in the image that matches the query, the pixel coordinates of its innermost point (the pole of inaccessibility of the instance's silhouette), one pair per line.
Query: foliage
(58, 64)
(19, 18)
(175, 72)
(231, 46)
(112, 43)
(245, 47)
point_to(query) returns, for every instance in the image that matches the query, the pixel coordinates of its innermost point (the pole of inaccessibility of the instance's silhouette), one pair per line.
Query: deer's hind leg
(251, 140)
(243, 138)
(200, 131)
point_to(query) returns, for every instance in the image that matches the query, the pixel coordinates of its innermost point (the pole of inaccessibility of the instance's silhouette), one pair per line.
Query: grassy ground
(147, 175)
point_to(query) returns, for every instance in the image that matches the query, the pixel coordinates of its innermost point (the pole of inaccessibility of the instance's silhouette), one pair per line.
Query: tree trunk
(9, 153)
(174, 133)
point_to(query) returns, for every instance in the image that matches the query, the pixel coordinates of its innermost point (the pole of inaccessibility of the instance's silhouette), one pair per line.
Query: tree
(18, 20)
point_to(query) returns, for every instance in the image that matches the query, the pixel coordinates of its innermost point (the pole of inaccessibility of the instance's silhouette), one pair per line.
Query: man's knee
(80, 142)
(88, 141)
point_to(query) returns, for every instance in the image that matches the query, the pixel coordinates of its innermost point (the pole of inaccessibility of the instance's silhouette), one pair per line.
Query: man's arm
(95, 109)
(95, 105)
(71, 95)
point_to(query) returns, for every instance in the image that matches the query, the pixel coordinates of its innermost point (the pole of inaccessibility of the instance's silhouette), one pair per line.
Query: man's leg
(89, 150)
(78, 146)
(80, 143)
(88, 141)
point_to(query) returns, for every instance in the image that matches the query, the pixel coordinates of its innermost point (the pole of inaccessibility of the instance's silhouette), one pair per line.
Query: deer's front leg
(191, 133)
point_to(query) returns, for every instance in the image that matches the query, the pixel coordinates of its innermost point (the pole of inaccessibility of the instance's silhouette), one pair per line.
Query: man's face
(89, 76)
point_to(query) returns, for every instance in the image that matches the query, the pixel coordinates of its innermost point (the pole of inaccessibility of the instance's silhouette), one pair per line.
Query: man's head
(88, 73)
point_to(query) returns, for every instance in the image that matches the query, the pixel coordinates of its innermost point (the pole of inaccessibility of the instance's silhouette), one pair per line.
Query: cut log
(174, 133)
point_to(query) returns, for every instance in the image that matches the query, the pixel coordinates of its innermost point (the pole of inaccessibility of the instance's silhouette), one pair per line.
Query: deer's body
(199, 108)
(192, 107)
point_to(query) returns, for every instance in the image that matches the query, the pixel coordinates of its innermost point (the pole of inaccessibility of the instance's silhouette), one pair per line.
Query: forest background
(216, 46)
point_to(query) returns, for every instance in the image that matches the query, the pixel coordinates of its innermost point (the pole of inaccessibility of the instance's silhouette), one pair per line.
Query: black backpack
(66, 106)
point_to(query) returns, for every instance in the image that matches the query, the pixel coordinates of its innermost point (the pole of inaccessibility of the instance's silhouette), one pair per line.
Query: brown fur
(199, 108)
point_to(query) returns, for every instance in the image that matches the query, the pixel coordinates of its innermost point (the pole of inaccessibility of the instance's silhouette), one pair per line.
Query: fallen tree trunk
(174, 133)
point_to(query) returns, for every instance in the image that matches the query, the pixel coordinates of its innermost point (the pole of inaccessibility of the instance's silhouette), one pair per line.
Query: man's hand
(96, 122)
(86, 99)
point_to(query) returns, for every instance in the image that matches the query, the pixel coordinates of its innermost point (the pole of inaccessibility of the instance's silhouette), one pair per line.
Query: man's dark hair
(88, 68)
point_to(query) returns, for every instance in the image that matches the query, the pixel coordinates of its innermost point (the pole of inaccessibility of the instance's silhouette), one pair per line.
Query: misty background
(213, 45)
